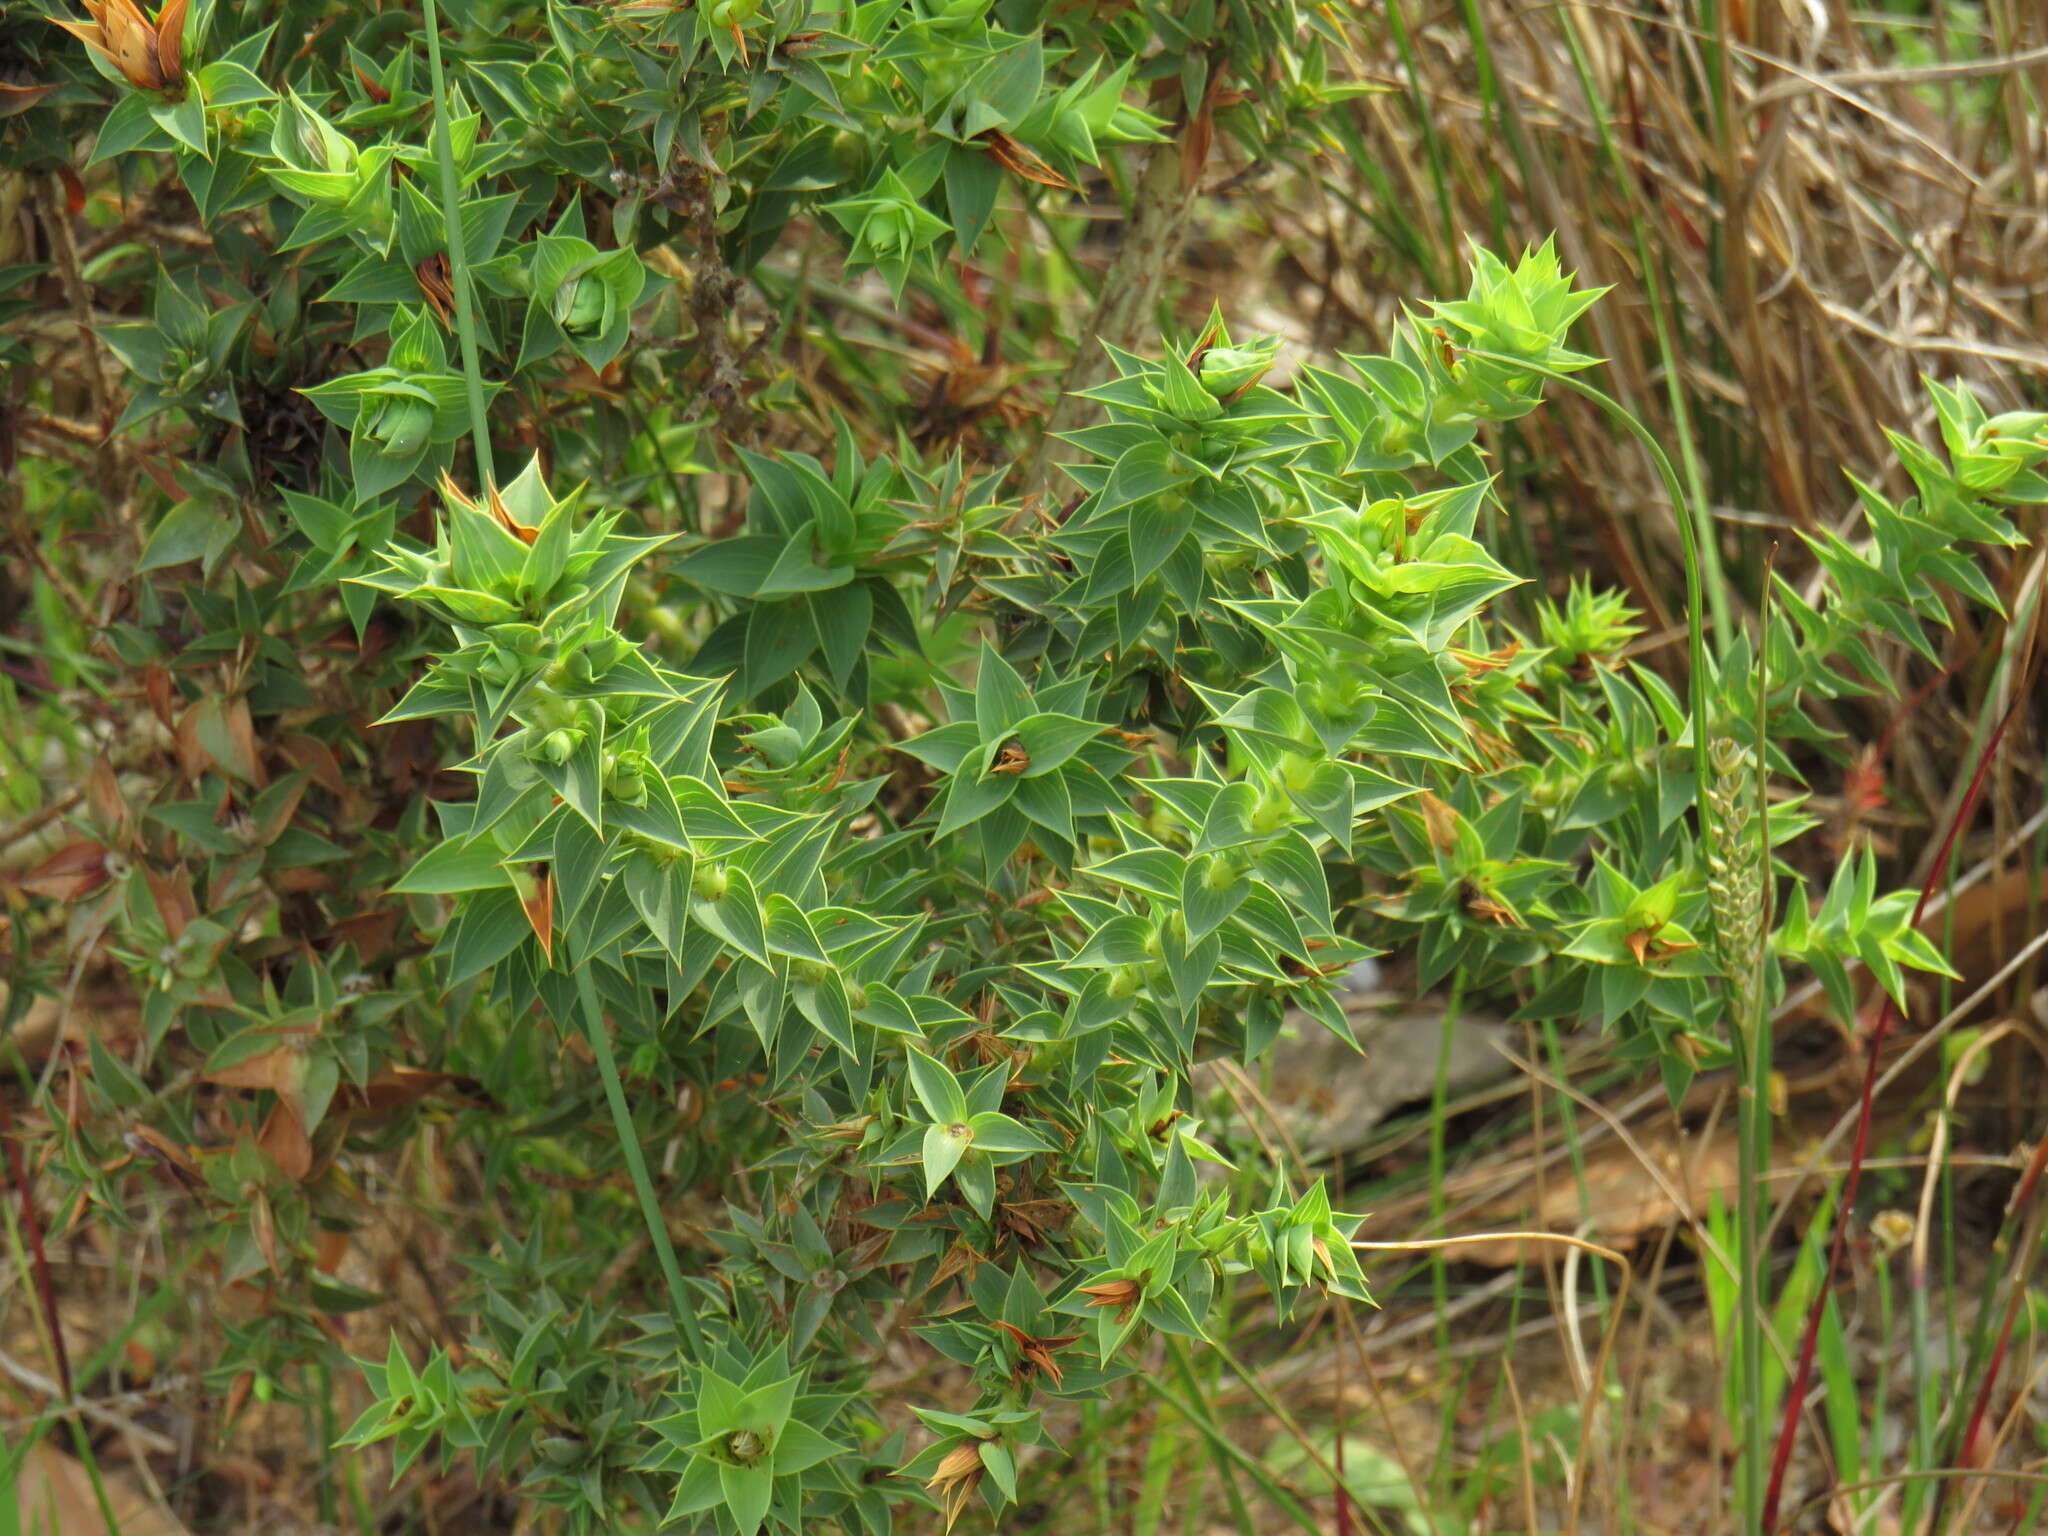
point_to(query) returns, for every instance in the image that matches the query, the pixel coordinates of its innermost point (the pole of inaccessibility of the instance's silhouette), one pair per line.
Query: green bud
(559, 746)
(886, 229)
(1270, 814)
(403, 426)
(1332, 698)
(2016, 424)
(582, 306)
(325, 149)
(625, 778)
(1226, 370)
(1296, 769)
(549, 709)
(184, 371)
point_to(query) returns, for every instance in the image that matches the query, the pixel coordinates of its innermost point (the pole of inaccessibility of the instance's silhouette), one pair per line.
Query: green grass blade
(636, 1160)
(458, 254)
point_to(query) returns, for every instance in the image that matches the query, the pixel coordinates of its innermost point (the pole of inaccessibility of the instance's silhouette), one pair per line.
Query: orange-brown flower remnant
(1038, 1354)
(1121, 1294)
(958, 1475)
(149, 55)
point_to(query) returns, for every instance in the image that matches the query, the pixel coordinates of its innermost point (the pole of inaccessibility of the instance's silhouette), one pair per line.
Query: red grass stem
(1967, 1447)
(1887, 1015)
(46, 1293)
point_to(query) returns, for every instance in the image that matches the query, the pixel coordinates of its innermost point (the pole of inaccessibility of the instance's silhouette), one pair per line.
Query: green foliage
(922, 838)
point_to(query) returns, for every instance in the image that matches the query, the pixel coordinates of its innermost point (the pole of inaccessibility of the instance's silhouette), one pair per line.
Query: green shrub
(883, 854)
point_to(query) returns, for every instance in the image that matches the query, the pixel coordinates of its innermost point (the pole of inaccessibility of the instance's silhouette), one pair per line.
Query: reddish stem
(1343, 1503)
(1887, 1015)
(1967, 1447)
(1344, 1486)
(46, 1293)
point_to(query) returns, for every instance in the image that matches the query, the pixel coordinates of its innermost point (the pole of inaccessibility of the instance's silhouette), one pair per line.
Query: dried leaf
(74, 189)
(958, 1259)
(279, 815)
(537, 900)
(370, 932)
(1195, 140)
(73, 871)
(238, 1394)
(396, 1087)
(162, 694)
(432, 275)
(329, 1249)
(148, 1142)
(316, 758)
(1438, 820)
(162, 476)
(216, 732)
(375, 92)
(175, 903)
(284, 1141)
(247, 760)
(263, 1228)
(108, 805)
(278, 1070)
(16, 99)
(1021, 161)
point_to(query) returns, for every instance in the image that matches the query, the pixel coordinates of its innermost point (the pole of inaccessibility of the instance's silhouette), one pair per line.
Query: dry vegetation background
(1801, 207)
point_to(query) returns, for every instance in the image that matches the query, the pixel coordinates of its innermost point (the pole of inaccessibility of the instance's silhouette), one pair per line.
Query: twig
(96, 1408)
(34, 822)
(1126, 300)
(64, 251)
